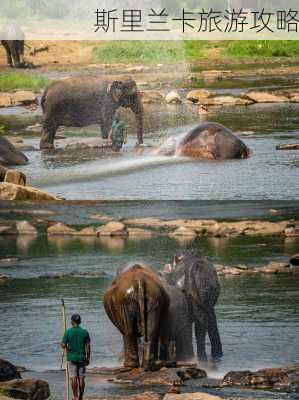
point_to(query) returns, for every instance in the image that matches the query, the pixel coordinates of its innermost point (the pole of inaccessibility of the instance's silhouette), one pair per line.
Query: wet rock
(265, 97)
(24, 97)
(26, 389)
(137, 68)
(16, 177)
(226, 101)
(217, 230)
(284, 378)
(274, 267)
(7, 230)
(4, 278)
(25, 228)
(139, 233)
(191, 396)
(183, 231)
(215, 75)
(196, 96)
(173, 98)
(3, 171)
(203, 110)
(35, 128)
(112, 228)
(5, 100)
(290, 146)
(61, 230)
(89, 231)
(291, 231)
(294, 260)
(8, 371)
(152, 97)
(139, 396)
(10, 191)
(266, 228)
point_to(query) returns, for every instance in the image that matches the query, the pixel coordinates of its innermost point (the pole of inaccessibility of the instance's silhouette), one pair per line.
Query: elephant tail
(43, 99)
(143, 308)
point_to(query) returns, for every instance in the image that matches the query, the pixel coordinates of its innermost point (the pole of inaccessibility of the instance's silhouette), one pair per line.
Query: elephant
(9, 155)
(197, 277)
(13, 40)
(136, 303)
(87, 100)
(208, 140)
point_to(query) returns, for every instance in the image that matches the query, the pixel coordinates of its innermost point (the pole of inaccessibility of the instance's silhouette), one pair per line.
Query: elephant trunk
(137, 108)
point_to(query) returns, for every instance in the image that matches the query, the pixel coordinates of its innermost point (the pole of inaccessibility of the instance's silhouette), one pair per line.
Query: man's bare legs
(74, 382)
(81, 388)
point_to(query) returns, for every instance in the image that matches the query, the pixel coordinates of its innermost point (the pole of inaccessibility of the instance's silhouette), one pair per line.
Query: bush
(21, 81)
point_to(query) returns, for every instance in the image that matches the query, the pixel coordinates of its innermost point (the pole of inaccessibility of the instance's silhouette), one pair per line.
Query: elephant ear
(115, 89)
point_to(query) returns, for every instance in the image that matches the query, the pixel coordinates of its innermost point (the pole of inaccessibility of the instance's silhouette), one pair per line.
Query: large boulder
(226, 101)
(25, 228)
(5, 100)
(61, 229)
(191, 396)
(173, 98)
(152, 97)
(16, 177)
(9, 155)
(196, 96)
(284, 378)
(265, 97)
(113, 228)
(8, 371)
(26, 389)
(10, 191)
(24, 97)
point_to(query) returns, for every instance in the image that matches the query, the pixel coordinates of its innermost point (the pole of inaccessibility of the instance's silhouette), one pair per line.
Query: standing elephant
(176, 333)
(12, 38)
(88, 100)
(198, 279)
(136, 304)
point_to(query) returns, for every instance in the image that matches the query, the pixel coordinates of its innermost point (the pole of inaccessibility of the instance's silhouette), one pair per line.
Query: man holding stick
(76, 342)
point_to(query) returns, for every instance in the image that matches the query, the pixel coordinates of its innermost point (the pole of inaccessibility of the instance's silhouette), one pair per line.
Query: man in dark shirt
(76, 342)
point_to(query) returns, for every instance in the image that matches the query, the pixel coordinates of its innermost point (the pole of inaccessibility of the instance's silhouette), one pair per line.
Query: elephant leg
(15, 54)
(8, 53)
(151, 341)
(200, 334)
(48, 134)
(184, 344)
(131, 351)
(216, 346)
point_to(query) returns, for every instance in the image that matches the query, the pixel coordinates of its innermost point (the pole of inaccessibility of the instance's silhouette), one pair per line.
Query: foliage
(262, 48)
(15, 80)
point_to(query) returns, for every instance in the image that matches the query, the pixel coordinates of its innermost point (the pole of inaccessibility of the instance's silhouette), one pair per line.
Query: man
(117, 135)
(76, 342)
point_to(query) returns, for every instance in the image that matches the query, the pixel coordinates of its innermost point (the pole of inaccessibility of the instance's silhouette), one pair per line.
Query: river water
(258, 315)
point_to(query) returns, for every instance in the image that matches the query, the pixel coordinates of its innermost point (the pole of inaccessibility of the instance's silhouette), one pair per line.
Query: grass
(261, 48)
(148, 52)
(19, 81)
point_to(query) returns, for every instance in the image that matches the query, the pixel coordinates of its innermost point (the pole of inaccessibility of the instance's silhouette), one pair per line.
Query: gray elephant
(176, 330)
(12, 38)
(197, 277)
(87, 100)
(9, 155)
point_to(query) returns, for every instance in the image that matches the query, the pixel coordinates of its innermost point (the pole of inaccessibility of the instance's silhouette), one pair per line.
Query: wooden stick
(67, 375)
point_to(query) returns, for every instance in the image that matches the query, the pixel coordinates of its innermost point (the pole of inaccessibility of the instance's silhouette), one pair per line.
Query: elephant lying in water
(87, 100)
(209, 140)
(9, 155)
(197, 277)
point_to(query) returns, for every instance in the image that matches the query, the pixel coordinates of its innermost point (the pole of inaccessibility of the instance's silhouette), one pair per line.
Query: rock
(183, 231)
(89, 231)
(273, 268)
(137, 68)
(24, 97)
(291, 231)
(284, 378)
(191, 396)
(294, 260)
(291, 146)
(61, 229)
(139, 396)
(173, 98)
(266, 228)
(25, 228)
(202, 110)
(196, 96)
(112, 228)
(16, 177)
(3, 278)
(26, 389)
(152, 97)
(8, 371)
(139, 233)
(7, 230)
(36, 128)
(226, 101)
(5, 100)
(264, 97)
(10, 191)
(215, 75)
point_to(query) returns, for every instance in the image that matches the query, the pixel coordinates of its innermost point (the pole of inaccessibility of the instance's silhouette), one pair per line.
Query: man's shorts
(77, 369)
